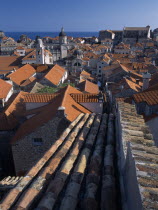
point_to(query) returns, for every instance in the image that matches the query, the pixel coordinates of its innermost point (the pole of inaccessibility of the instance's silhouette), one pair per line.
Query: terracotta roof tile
(30, 56)
(39, 97)
(91, 55)
(64, 99)
(20, 48)
(55, 74)
(7, 122)
(89, 87)
(85, 98)
(149, 97)
(85, 59)
(111, 67)
(17, 107)
(22, 74)
(83, 140)
(41, 68)
(9, 62)
(85, 73)
(29, 81)
(82, 161)
(84, 47)
(9, 117)
(5, 87)
(122, 46)
(133, 85)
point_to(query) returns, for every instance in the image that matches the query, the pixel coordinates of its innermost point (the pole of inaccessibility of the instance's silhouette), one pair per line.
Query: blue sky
(76, 15)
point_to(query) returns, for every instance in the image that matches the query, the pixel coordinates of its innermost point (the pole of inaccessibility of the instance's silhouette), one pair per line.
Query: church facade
(58, 46)
(132, 35)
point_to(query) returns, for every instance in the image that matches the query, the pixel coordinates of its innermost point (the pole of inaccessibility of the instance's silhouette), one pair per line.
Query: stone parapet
(138, 160)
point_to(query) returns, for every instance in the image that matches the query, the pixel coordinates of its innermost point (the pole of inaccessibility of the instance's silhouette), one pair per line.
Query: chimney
(61, 112)
(146, 77)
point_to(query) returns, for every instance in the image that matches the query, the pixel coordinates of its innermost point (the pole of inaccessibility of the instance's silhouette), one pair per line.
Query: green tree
(48, 89)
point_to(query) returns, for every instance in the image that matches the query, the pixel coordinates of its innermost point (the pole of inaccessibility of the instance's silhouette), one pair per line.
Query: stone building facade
(58, 46)
(114, 35)
(133, 34)
(28, 150)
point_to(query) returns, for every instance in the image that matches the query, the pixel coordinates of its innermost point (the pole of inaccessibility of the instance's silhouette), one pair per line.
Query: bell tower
(40, 52)
(62, 37)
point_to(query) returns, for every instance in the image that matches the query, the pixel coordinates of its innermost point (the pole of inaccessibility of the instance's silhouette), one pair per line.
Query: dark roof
(78, 169)
(63, 167)
(62, 33)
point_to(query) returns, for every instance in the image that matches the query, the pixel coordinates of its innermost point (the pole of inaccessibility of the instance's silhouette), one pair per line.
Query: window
(37, 141)
(77, 64)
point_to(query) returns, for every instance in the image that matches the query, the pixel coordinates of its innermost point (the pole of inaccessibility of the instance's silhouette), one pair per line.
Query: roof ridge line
(80, 104)
(20, 94)
(64, 98)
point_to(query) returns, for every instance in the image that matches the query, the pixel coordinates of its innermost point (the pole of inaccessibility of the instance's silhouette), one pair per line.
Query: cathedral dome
(62, 33)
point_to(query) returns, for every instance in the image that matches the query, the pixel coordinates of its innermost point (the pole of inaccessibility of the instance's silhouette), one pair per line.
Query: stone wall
(137, 160)
(26, 154)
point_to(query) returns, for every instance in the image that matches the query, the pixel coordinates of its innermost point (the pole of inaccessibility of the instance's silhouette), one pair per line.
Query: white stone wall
(64, 77)
(63, 51)
(48, 59)
(9, 94)
(21, 52)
